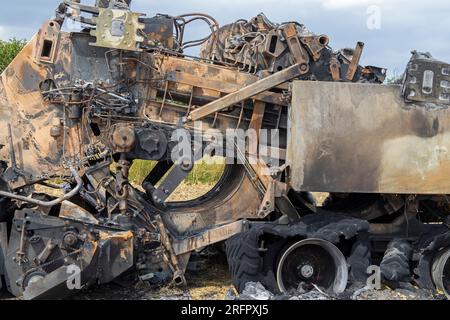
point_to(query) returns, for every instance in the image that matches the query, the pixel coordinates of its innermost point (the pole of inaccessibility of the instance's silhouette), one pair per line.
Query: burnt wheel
(312, 262)
(441, 272)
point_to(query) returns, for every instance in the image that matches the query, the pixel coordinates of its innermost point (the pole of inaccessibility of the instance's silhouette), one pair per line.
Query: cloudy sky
(404, 25)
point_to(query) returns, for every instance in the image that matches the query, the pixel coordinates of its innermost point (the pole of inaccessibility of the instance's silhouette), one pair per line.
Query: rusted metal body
(121, 88)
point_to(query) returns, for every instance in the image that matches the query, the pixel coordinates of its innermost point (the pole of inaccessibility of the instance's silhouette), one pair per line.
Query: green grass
(203, 173)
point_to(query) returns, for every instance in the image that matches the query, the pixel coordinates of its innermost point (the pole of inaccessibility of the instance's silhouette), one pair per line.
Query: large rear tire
(244, 260)
(248, 263)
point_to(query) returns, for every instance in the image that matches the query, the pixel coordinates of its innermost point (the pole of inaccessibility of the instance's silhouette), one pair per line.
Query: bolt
(70, 239)
(307, 271)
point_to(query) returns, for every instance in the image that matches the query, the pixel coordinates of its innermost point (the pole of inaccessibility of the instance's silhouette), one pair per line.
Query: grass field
(202, 173)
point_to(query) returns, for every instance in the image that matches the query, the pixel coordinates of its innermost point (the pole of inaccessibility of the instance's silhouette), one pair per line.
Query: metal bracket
(315, 45)
(118, 29)
(276, 189)
(178, 274)
(47, 42)
(300, 55)
(43, 256)
(180, 171)
(172, 181)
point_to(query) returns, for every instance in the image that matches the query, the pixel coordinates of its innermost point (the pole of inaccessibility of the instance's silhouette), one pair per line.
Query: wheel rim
(312, 262)
(441, 272)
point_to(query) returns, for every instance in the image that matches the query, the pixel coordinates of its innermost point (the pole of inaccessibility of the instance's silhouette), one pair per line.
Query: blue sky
(404, 25)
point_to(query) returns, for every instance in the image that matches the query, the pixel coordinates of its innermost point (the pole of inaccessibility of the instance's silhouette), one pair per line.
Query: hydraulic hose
(52, 203)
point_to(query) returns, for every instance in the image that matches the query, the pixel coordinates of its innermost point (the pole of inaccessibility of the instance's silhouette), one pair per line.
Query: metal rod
(12, 153)
(246, 93)
(48, 203)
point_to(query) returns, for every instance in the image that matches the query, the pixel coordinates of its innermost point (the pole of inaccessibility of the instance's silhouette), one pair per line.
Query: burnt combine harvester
(117, 89)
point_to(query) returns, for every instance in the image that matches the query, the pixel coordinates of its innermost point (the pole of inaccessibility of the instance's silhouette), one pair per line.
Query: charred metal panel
(365, 138)
(159, 29)
(87, 63)
(226, 206)
(21, 106)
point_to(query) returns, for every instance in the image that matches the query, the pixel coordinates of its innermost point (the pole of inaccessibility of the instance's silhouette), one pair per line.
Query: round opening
(311, 263)
(201, 180)
(324, 40)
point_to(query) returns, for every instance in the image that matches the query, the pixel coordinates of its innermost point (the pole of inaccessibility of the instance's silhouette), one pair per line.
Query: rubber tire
(248, 264)
(5, 214)
(244, 260)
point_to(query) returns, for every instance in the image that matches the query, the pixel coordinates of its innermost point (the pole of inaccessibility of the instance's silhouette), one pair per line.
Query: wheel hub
(310, 263)
(306, 271)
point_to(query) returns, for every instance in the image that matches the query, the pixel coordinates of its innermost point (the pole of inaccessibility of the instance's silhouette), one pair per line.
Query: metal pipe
(52, 203)
(12, 153)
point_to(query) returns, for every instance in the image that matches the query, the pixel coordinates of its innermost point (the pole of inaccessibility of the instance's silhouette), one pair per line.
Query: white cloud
(346, 4)
(405, 24)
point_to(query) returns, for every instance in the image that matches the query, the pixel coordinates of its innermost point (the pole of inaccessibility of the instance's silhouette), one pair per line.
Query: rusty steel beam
(246, 93)
(258, 115)
(211, 83)
(353, 67)
(210, 236)
(256, 124)
(335, 69)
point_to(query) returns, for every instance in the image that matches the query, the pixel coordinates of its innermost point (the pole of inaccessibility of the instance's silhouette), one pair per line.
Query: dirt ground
(211, 281)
